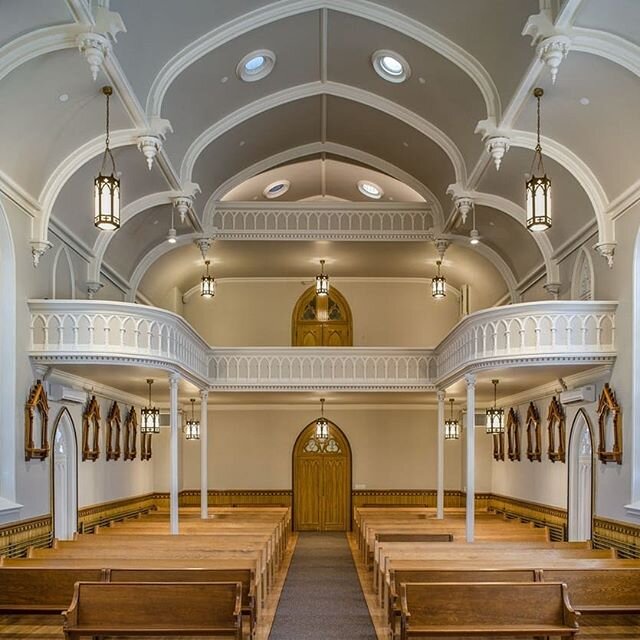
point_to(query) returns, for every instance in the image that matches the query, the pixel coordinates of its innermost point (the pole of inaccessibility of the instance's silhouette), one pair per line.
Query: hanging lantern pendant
(538, 186)
(150, 415)
(439, 284)
(208, 283)
(192, 427)
(495, 416)
(451, 426)
(106, 188)
(322, 281)
(322, 425)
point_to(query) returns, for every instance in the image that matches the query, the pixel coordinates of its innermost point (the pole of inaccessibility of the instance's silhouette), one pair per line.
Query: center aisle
(322, 598)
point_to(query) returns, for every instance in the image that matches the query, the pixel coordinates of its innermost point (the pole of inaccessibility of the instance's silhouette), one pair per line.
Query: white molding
(578, 239)
(69, 238)
(313, 89)
(582, 257)
(607, 45)
(627, 199)
(312, 406)
(361, 8)
(27, 203)
(63, 250)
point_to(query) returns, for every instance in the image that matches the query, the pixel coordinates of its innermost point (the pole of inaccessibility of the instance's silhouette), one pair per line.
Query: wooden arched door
(322, 321)
(321, 481)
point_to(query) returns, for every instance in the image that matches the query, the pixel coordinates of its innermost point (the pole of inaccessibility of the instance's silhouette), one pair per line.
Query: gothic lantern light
(538, 186)
(107, 187)
(495, 416)
(439, 284)
(192, 427)
(150, 415)
(208, 284)
(322, 425)
(451, 426)
(322, 281)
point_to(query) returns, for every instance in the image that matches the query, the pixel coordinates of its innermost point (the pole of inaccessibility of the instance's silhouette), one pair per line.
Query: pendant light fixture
(192, 427)
(538, 186)
(172, 236)
(451, 426)
(106, 188)
(322, 425)
(208, 284)
(495, 416)
(322, 281)
(150, 415)
(474, 234)
(439, 284)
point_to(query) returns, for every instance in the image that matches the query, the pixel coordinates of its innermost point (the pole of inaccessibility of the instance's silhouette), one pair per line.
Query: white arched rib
(315, 89)
(360, 8)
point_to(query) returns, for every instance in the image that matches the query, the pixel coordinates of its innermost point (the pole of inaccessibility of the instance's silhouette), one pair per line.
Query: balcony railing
(93, 331)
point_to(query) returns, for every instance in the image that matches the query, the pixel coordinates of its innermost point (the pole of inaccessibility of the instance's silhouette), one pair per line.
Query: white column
(471, 449)
(204, 459)
(174, 378)
(440, 461)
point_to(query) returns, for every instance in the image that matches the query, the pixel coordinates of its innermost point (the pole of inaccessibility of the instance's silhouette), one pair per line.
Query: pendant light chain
(107, 149)
(538, 162)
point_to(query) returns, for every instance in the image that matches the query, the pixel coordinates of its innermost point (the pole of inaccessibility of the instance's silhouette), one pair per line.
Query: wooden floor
(50, 627)
(593, 627)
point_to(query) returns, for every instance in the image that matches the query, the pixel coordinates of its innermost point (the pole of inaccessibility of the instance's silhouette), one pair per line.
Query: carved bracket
(113, 432)
(36, 414)
(513, 436)
(91, 422)
(130, 434)
(557, 429)
(608, 407)
(534, 436)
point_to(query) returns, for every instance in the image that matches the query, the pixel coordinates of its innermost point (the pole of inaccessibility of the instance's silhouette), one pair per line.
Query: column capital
(204, 394)
(470, 379)
(441, 395)
(174, 378)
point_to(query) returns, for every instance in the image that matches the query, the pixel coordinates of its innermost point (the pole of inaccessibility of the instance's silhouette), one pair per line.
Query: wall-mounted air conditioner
(583, 394)
(61, 393)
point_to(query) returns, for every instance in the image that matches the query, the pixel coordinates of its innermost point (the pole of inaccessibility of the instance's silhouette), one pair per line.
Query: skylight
(256, 65)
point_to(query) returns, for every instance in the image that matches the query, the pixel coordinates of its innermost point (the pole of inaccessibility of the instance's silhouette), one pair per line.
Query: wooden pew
(245, 577)
(47, 591)
(490, 609)
(154, 609)
(599, 591)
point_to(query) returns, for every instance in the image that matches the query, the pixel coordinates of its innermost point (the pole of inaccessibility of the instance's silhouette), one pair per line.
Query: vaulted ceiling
(322, 119)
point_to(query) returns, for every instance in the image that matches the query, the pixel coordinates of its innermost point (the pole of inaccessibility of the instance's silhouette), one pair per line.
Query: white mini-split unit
(575, 396)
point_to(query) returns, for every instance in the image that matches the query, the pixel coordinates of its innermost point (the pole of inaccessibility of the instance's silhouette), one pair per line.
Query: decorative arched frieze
(91, 431)
(609, 427)
(557, 431)
(582, 279)
(361, 8)
(513, 435)
(312, 89)
(36, 424)
(114, 422)
(534, 435)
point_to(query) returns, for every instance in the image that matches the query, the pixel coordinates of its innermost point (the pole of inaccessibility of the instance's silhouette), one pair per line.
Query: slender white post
(204, 459)
(471, 450)
(173, 421)
(440, 462)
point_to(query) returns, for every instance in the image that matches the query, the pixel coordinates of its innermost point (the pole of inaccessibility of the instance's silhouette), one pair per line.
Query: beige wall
(394, 314)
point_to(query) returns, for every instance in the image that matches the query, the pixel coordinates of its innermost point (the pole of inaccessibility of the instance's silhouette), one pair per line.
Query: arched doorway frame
(302, 437)
(579, 521)
(65, 425)
(306, 297)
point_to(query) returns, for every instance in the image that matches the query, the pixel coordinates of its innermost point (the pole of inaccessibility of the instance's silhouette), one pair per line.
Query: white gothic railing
(550, 332)
(530, 332)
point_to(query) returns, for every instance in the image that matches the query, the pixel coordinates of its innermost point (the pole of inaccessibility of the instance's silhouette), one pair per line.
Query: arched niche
(64, 476)
(63, 286)
(582, 279)
(581, 493)
(322, 321)
(321, 480)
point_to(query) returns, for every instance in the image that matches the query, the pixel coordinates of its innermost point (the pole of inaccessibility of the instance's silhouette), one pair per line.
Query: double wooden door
(322, 482)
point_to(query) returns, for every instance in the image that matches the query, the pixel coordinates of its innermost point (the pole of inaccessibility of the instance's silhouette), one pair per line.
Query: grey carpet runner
(322, 598)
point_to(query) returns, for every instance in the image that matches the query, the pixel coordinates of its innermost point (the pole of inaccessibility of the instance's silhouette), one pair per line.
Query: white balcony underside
(541, 333)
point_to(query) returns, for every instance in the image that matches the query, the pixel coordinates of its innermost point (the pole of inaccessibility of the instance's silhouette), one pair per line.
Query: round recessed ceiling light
(256, 65)
(584, 101)
(276, 189)
(390, 65)
(63, 97)
(370, 189)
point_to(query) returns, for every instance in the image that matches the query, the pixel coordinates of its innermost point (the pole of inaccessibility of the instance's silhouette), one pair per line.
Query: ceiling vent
(575, 396)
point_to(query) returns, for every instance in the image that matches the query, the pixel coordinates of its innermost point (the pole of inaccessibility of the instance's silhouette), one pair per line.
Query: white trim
(622, 203)
(27, 203)
(635, 356)
(580, 485)
(579, 238)
(317, 88)
(268, 63)
(54, 272)
(607, 45)
(379, 67)
(68, 464)
(287, 8)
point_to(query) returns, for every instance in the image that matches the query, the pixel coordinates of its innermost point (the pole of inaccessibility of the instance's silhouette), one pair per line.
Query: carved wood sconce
(91, 421)
(608, 406)
(113, 432)
(130, 435)
(37, 407)
(145, 446)
(534, 437)
(498, 446)
(513, 436)
(556, 423)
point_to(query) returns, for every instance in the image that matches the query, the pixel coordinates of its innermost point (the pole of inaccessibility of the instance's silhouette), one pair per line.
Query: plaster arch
(64, 476)
(359, 8)
(63, 253)
(581, 486)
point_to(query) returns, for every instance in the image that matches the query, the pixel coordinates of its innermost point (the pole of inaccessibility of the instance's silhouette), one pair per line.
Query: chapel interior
(320, 319)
